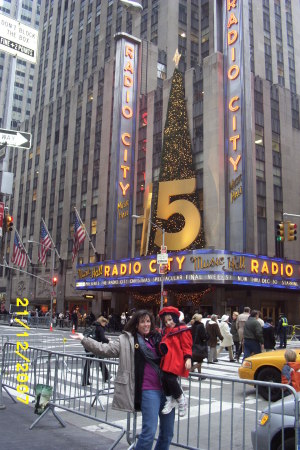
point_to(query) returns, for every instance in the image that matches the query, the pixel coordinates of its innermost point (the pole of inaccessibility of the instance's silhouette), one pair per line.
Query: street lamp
(52, 293)
(134, 216)
(132, 5)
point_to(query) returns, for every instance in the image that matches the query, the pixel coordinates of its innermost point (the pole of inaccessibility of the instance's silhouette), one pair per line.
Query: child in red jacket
(176, 348)
(290, 373)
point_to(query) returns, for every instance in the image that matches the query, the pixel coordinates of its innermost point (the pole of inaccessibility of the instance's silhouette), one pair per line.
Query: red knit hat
(169, 310)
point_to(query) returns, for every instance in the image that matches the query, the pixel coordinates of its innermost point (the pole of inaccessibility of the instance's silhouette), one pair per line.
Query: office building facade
(16, 90)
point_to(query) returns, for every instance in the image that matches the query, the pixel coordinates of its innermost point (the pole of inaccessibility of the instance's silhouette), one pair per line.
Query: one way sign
(14, 138)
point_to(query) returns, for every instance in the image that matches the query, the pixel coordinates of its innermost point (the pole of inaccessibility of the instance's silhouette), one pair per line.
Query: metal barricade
(37, 322)
(5, 319)
(228, 413)
(81, 385)
(48, 342)
(222, 413)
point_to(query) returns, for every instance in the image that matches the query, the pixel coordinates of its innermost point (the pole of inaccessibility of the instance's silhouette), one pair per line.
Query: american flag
(45, 244)
(19, 257)
(79, 236)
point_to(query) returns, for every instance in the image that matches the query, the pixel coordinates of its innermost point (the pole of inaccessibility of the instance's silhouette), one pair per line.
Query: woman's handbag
(199, 352)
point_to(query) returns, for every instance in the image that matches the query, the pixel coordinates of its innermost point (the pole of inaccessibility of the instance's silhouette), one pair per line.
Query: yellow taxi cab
(265, 366)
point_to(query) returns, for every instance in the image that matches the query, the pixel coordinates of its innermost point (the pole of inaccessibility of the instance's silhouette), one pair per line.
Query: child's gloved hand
(163, 349)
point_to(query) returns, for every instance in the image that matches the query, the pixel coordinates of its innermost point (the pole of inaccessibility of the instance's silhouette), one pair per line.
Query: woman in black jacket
(98, 335)
(200, 350)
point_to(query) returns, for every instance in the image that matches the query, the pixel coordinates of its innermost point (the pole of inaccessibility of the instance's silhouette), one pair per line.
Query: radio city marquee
(191, 267)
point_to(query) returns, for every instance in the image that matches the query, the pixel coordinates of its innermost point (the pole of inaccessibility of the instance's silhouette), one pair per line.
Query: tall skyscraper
(240, 64)
(16, 83)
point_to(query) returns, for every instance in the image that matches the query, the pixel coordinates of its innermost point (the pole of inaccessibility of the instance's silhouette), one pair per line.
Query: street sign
(162, 258)
(18, 39)
(163, 249)
(15, 138)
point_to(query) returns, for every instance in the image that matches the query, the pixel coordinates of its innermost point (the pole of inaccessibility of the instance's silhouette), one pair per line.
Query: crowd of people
(243, 334)
(77, 319)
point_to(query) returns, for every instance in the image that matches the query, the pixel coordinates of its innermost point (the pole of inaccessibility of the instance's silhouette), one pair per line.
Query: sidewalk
(48, 434)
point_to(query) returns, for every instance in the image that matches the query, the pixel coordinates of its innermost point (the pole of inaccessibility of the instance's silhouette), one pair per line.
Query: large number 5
(165, 209)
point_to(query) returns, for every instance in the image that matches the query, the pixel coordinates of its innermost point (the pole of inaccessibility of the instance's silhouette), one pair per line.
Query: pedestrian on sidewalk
(269, 335)
(240, 324)
(213, 333)
(137, 383)
(235, 335)
(99, 336)
(176, 348)
(282, 329)
(74, 318)
(200, 349)
(61, 319)
(253, 335)
(227, 337)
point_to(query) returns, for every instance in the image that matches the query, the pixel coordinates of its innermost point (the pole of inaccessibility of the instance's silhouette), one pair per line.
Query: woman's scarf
(148, 354)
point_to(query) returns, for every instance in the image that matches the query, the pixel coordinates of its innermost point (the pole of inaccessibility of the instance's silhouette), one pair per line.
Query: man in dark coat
(74, 319)
(213, 333)
(199, 338)
(235, 335)
(253, 335)
(269, 334)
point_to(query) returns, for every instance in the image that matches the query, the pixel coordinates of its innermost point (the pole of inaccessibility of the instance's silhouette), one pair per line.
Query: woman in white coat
(227, 337)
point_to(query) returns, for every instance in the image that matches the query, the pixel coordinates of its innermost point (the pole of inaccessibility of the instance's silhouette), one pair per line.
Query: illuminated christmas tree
(176, 164)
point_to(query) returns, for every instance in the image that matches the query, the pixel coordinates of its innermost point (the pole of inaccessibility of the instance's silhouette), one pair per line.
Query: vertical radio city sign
(233, 84)
(123, 144)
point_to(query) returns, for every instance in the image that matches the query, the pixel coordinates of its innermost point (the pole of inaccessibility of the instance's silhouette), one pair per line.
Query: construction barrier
(222, 413)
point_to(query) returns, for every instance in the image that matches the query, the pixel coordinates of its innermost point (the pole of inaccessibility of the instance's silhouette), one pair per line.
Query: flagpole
(30, 262)
(54, 247)
(7, 266)
(87, 234)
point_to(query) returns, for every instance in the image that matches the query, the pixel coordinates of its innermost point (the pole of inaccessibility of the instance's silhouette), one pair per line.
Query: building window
(93, 226)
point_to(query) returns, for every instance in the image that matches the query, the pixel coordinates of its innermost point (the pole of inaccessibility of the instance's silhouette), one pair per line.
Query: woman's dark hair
(133, 323)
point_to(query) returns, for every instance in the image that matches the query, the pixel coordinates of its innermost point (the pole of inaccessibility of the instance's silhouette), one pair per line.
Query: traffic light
(9, 221)
(280, 232)
(54, 281)
(292, 231)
